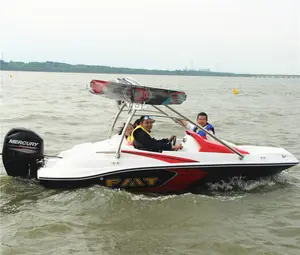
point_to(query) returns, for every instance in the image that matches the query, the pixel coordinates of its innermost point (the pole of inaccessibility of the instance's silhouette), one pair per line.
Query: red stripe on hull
(180, 183)
(162, 157)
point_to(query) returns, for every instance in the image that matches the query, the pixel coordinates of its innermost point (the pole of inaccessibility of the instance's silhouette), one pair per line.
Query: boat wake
(265, 184)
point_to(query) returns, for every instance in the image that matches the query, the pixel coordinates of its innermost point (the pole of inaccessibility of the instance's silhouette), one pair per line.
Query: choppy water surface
(261, 217)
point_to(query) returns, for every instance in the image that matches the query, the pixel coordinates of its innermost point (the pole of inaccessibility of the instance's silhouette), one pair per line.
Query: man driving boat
(143, 140)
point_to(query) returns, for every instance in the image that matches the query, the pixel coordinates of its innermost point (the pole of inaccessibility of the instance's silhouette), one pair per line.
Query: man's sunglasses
(147, 118)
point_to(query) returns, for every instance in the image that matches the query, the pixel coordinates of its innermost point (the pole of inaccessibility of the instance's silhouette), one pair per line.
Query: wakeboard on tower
(136, 93)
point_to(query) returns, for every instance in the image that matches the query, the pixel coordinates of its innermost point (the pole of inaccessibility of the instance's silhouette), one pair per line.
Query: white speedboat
(114, 163)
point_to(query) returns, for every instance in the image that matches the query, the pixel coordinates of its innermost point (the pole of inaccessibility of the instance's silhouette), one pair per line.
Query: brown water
(261, 217)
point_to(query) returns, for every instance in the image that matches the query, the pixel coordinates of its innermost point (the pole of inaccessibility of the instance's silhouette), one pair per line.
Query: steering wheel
(173, 141)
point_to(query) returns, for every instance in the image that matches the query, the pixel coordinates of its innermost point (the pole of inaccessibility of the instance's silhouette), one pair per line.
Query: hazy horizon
(223, 36)
(149, 69)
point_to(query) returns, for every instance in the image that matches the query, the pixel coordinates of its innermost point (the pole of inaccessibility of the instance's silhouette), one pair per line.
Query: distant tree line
(63, 67)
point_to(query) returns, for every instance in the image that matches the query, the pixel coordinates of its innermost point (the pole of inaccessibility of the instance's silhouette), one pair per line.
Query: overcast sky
(243, 36)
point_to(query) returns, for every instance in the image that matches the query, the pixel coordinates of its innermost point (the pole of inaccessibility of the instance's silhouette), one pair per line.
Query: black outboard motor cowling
(23, 153)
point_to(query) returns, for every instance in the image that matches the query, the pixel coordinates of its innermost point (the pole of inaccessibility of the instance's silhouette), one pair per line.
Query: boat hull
(171, 179)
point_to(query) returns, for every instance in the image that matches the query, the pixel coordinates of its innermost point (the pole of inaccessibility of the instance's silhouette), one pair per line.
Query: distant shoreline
(68, 68)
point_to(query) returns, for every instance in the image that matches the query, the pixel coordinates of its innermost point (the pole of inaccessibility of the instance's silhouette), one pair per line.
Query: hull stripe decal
(201, 167)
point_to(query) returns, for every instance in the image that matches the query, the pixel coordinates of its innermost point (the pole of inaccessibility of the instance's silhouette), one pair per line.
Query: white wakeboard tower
(114, 163)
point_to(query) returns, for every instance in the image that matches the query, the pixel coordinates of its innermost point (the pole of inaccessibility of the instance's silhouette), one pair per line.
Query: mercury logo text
(24, 143)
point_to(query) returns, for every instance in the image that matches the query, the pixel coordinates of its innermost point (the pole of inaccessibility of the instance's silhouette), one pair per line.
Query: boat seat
(212, 146)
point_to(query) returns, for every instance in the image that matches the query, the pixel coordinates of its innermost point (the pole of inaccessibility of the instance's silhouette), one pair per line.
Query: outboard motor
(23, 153)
